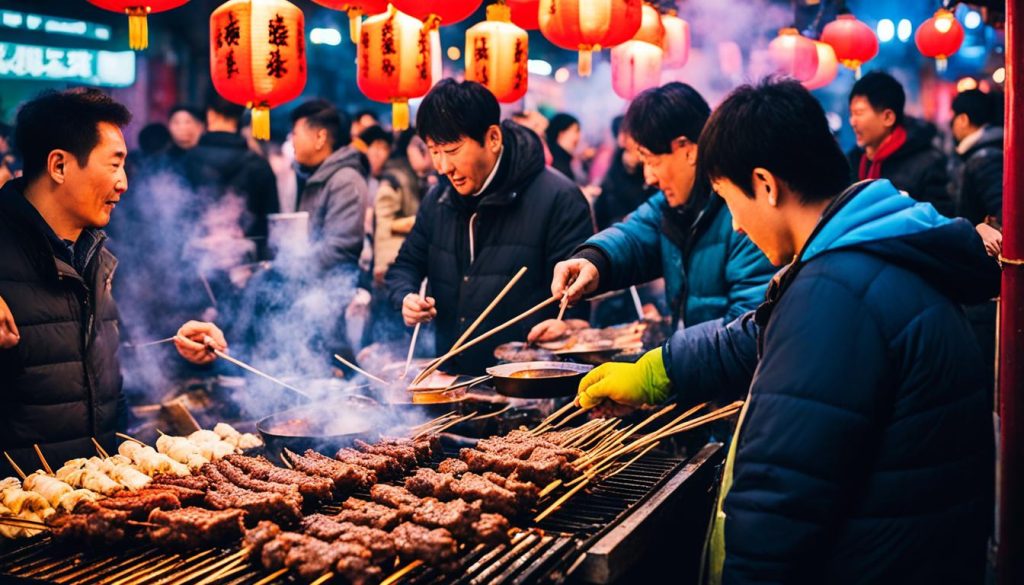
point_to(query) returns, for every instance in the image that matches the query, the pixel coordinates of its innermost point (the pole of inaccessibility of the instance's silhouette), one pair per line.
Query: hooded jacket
(60, 386)
(335, 196)
(529, 216)
(981, 178)
(918, 167)
(864, 453)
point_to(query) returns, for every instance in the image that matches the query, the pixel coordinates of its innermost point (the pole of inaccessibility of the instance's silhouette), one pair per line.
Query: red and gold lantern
(355, 9)
(393, 61)
(794, 54)
(636, 63)
(258, 56)
(677, 40)
(588, 25)
(828, 67)
(939, 37)
(137, 11)
(525, 13)
(496, 55)
(438, 12)
(853, 41)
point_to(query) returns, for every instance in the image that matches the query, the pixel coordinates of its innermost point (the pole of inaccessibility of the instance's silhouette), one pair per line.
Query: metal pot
(313, 426)
(538, 379)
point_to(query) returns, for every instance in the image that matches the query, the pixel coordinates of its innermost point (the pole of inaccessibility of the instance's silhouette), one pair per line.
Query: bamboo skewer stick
(25, 522)
(561, 500)
(447, 425)
(575, 435)
(272, 577)
(391, 580)
(151, 343)
(195, 571)
(633, 460)
(437, 363)
(42, 459)
(550, 488)
(566, 420)
(226, 566)
(250, 369)
(600, 430)
(636, 302)
(361, 371)
(415, 334)
(434, 422)
(99, 448)
(495, 413)
(554, 415)
(238, 569)
(14, 465)
(130, 438)
(130, 574)
(323, 579)
(563, 304)
(589, 456)
(487, 310)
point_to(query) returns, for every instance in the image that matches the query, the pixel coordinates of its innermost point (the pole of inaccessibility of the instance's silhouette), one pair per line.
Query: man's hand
(577, 275)
(645, 382)
(195, 339)
(548, 330)
(417, 309)
(992, 238)
(9, 336)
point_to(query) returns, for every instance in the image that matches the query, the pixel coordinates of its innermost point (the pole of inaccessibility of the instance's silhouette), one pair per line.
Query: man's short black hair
(780, 126)
(375, 133)
(219, 104)
(154, 137)
(360, 113)
(559, 123)
(882, 91)
(67, 120)
(453, 110)
(194, 112)
(321, 114)
(617, 125)
(978, 105)
(659, 115)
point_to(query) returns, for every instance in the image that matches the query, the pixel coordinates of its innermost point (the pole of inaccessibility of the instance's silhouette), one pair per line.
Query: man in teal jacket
(683, 233)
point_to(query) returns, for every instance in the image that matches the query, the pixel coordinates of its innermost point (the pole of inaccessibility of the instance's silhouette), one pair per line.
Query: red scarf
(872, 169)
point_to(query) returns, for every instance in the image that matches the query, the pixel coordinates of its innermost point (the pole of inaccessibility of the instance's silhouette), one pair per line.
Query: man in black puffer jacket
(496, 209)
(60, 380)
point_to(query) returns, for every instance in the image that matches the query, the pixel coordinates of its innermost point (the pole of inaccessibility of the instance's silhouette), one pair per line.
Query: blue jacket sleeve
(807, 434)
(747, 273)
(633, 247)
(712, 361)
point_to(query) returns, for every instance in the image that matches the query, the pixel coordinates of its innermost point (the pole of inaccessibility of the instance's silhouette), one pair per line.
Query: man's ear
(493, 138)
(765, 186)
(56, 165)
(888, 118)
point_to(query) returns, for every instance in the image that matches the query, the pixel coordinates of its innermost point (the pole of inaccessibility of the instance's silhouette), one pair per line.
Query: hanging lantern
(794, 54)
(436, 57)
(137, 10)
(588, 25)
(525, 13)
(438, 12)
(677, 40)
(355, 9)
(939, 37)
(258, 56)
(828, 67)
(853, 41)
(636, 64)
(394, 63)
(496, 54)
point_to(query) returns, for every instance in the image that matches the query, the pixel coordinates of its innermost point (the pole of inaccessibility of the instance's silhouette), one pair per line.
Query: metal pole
(1010, 568)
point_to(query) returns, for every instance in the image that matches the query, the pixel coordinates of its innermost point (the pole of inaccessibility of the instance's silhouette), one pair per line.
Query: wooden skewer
(272, 577)
(561, 500)
(633, 460)
(437, 363)
(645, 422)
(487, 310)
(131, 574)
(225, 565)
(401, 573)
(431, 423)
(377, 379)
(99, 448)
(550, 488)
(25, 521)
(447, 425)
(323, 579)
(599, 431)
(15, 466)
(554, 415)
(248, 368)
(172, 563)
(141, 524)
(240, 566)
(130, 438)
(195, 571)
(415, 334)
(566, 420)
(636, 303)
(151, 343)
(42, 459)
(495, 413)
(562, 305)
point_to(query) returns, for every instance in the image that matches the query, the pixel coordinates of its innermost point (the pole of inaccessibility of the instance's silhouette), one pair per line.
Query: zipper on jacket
(472, 239)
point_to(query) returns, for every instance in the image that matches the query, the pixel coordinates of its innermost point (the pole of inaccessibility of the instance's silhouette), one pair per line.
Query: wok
(538, 379)
(322, 426)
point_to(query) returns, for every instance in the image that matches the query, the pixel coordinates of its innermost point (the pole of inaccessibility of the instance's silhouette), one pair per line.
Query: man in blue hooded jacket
(683, 233)
(864, 452)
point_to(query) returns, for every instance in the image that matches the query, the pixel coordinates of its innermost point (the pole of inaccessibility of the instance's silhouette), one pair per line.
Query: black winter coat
(981, 179)
(918, 167)
(529, 216)
(61, 385)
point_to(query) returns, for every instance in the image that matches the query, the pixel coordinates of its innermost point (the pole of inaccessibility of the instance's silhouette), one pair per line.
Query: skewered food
(242, 480)
(310, 486)
(330, 529)
(371, 514)
(182, 450)
(47, 486)
(384, 466)
(258, 506)
(101, 526)
(194, 527)
(137, 506)
(453, 466)
(242, 441)
(150, 462)
(119, 468)
(470, 487)
(21, 501)
(426, 544)
(347, 478)
(69, 501)
(84, 474)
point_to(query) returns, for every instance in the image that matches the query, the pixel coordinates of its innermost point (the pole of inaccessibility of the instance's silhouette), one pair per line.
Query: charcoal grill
(595, 537)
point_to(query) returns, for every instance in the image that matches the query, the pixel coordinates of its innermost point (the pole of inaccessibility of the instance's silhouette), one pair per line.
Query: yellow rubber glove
(645, 382)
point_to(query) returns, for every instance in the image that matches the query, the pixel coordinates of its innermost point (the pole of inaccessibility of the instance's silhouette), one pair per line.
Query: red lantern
(853, 41)
(940, 36)
(258, 56)
(355, 9)
(525, 13)
(828, 67)
(438, 12)
(583, 25)
(496, 54)
(137, 10)
(636, 64)
(794, 54)
(677, 40)
(393, 61)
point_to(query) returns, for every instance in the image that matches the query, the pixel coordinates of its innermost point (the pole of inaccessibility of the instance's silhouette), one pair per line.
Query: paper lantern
(258, 56)
(355, 9)
(496, 54)
(828, 67)
(636, 63)
(588, 25)
(939, 37)
(853, 41)
(794, 55)
(525, 13)
(137, 10)
(438, 12)
(394, 61)
(677, 40)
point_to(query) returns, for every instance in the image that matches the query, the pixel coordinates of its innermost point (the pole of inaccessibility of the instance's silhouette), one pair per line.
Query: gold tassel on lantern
(261, 122)
(400, 115)
(586, 61)
(138, 29)
(355, 23)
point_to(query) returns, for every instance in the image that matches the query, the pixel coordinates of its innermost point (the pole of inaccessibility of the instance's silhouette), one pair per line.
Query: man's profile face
(757, 218)
(93, 187)
(466, 162)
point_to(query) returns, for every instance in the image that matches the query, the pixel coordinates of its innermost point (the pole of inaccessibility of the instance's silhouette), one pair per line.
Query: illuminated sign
(87, 66)
(51, 24)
